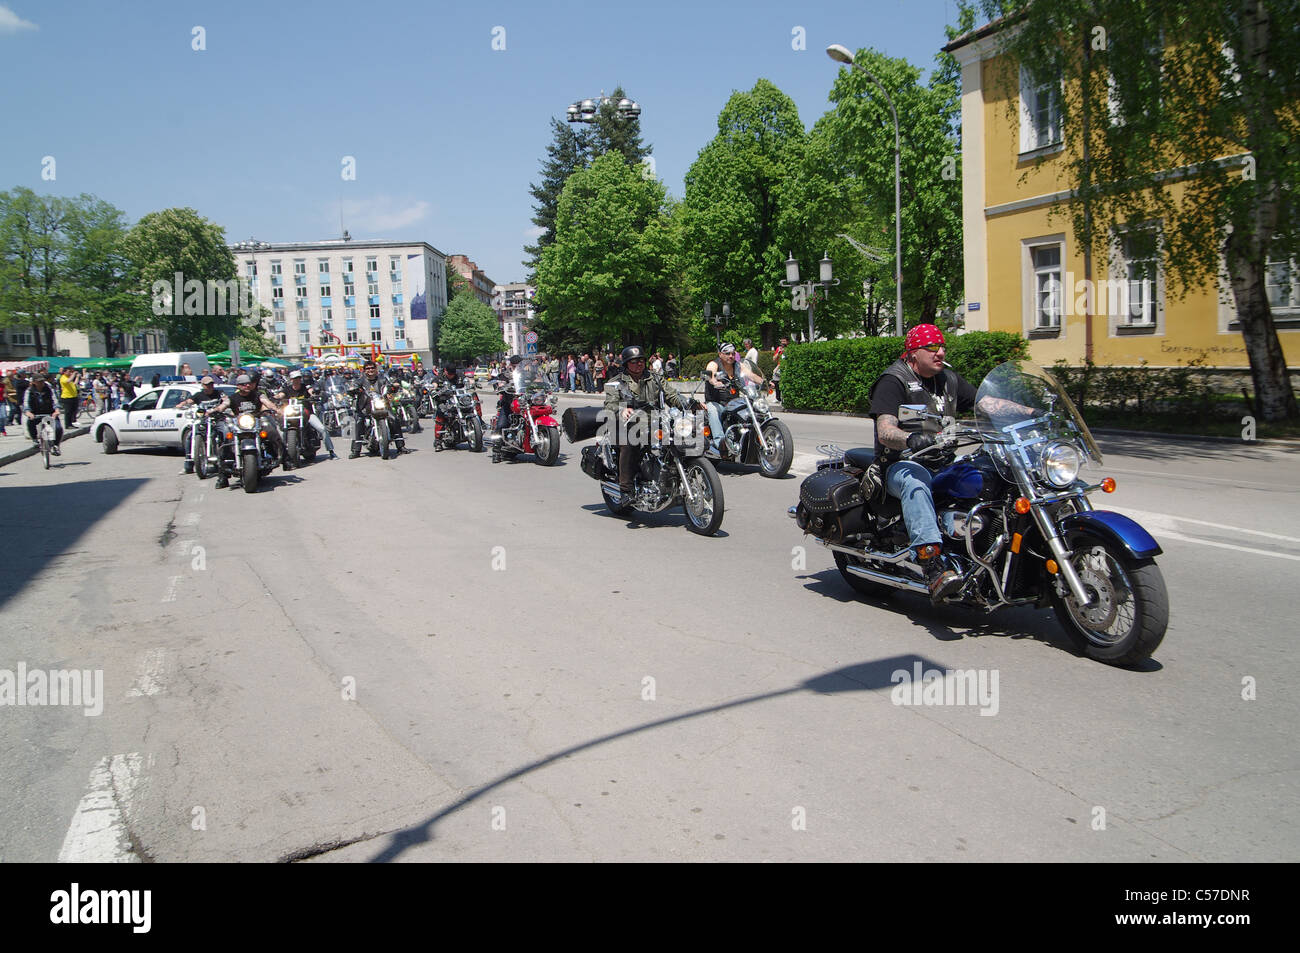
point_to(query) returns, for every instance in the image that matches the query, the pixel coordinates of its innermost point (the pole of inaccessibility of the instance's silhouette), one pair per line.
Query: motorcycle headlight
(1061, 463)
(683, 427)
(247, 421)
(760, 405)
(379, 404)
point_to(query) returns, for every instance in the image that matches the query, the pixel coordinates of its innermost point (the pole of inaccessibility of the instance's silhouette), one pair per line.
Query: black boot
(941, 581)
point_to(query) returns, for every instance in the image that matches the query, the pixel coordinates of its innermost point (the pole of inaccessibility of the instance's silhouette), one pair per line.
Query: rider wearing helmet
(508, 390)
(636, 382)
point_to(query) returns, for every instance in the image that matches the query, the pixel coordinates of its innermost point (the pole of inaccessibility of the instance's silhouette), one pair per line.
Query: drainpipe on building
(1087, 204)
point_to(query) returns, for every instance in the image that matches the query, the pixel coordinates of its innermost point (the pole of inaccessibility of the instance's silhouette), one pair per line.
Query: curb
(32, 451)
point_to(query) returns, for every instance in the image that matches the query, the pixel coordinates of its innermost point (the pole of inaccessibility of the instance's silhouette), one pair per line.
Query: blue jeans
(910, 482)
(714, 410)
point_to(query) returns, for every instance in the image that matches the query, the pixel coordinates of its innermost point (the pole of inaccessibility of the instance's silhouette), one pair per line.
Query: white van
(168, 364)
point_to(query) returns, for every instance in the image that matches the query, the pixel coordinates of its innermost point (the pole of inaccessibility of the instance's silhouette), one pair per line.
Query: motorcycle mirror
(907, 412)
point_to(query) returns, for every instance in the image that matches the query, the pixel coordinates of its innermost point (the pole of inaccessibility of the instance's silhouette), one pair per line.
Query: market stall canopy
(107, 363)
(244, 356)
(7, 366)
(59, 363)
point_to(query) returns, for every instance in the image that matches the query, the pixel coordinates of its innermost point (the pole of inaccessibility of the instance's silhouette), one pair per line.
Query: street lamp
(718, 320)
(585, 111)
(809, 288)
(841, 54)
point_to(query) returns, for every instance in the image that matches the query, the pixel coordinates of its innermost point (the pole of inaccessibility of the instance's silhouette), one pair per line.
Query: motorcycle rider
(644, 386)
(40, 399)
(369, 385)
(207, 392)
(247, 399)
(919, 376)
(450, 377)
(298, 390)
(717, 384)
(508, 389)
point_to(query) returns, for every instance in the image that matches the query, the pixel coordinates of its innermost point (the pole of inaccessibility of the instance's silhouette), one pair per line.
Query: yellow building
(1024, 269)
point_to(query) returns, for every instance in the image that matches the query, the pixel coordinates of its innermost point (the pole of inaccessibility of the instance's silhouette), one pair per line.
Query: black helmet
(632, 353)
(515, 359)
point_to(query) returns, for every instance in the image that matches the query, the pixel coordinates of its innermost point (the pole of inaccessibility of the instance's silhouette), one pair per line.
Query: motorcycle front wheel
(775, 462)
(383, 436)
(201, 459)
(705, 515)
(1129, 612)
(476, 435)
(248, 476)
(546, 450)
(291, 441)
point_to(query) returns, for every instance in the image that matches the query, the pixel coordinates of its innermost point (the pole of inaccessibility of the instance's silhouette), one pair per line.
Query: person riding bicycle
(41, 401)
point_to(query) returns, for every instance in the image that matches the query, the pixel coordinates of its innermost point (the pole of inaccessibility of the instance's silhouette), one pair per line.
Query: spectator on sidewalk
(68, 394)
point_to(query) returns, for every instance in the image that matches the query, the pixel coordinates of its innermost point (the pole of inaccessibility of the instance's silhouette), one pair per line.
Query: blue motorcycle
(1017, 522)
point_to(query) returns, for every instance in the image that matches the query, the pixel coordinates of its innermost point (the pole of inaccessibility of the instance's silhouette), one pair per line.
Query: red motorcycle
(528, 426)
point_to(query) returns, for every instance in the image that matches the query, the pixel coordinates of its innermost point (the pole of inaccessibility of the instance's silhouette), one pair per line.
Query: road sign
(530, 347)
(530, 337)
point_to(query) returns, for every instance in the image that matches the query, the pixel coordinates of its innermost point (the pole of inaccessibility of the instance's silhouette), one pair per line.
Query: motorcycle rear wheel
(616, 509)
(1127, 620)
(859, 585)
(705, 517)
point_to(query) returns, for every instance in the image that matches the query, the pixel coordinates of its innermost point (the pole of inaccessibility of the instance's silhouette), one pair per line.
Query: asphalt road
(437, 658)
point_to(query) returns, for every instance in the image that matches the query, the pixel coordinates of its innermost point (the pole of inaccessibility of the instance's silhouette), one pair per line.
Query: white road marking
(171, 590)
(97, 834)
(1165, 519)
(148, 678)
(1241, 549)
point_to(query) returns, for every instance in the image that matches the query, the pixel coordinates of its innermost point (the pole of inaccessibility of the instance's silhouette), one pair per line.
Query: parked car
(150, 419)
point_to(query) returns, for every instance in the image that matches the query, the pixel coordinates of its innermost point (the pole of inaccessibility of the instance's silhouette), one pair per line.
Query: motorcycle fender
(247, 444)
(545, 420)
(1114, 528)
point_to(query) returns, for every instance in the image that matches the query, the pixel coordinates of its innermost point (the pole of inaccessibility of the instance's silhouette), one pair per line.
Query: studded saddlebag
(831, 504)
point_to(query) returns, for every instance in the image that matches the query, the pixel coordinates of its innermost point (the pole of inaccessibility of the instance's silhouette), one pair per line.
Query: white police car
(152, 419)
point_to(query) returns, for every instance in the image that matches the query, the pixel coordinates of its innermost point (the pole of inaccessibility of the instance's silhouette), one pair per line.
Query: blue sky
(447, 132)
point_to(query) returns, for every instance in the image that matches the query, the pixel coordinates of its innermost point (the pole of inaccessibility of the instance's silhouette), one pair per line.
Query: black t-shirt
(890, 393)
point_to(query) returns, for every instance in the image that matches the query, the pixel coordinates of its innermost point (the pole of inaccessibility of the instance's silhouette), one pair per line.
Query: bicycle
(46, 436)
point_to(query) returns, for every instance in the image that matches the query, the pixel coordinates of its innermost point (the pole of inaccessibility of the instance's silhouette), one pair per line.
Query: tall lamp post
(809, 297)
(841, 54)
(718, 320)
(585, 111)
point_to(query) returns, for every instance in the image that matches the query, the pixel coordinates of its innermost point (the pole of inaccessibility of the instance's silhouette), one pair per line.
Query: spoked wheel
(201, 460)
(1128, 613)
(618, 509)
(546, 450)
(775, 461)
(45, 449)
(383, 436)
(860, 585)
(704, 516)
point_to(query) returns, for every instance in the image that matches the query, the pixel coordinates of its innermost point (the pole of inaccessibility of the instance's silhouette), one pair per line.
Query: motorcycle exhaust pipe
(612, 489)
(492, 439)
(886, 580)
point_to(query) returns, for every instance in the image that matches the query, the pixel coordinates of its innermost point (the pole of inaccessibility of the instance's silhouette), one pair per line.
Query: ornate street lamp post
(803, 294)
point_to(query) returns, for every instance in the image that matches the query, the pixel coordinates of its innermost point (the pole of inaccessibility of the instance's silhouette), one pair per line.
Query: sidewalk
(18, 446)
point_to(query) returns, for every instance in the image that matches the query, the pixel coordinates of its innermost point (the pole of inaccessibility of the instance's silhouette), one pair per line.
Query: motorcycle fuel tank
(961, 481)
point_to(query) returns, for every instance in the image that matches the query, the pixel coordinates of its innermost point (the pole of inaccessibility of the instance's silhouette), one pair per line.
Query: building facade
(481, 284)
(513, 304)
(345, 292)
(1024, 268)
(19, 344)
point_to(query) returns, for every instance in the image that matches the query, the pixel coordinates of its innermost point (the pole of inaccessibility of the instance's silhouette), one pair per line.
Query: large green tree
(609, 275)
(1184, 114)
(180, 241)
(106, 296)
(469, 328)
(36, 287)
(564, 155)
(731, 214)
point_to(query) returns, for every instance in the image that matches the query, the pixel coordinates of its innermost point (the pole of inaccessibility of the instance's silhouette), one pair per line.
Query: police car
(152, 419)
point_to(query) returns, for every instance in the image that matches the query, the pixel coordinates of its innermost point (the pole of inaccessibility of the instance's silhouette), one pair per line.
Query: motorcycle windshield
(1020, 402)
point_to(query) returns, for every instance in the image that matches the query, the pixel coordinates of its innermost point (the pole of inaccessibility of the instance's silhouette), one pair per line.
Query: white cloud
(11, 22)
(382, 214)
(534, 233)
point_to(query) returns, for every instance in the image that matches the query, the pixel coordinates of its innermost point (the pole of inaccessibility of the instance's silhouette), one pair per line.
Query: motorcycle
(205, 439)
(672, 469)
(335, 411)
(301, 441)
(458, 416)
(1015, 515)
(752, 434)
(249, 458)
(530, 426)
(403, 398)
(374, 420)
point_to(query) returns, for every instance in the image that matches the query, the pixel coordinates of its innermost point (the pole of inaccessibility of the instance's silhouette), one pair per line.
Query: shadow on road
(673, 516)
(45, 522)
(863, 677)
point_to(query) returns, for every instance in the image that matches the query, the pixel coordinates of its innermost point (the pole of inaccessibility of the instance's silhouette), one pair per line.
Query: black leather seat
(860, 457)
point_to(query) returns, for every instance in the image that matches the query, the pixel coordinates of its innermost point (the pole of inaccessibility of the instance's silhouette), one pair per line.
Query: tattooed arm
(889, 433)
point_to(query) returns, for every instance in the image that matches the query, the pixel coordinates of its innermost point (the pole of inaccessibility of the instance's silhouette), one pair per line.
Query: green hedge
(838, 375)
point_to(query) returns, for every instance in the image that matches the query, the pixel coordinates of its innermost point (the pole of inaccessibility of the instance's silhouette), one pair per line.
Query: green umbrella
(244, 357)
(107, 363)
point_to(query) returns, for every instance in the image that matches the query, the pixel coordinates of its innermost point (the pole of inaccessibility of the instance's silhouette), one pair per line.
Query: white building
(346, 292)
(514, 304)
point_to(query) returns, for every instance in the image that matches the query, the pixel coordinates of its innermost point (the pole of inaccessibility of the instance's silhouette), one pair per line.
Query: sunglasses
(637, 360)
(932, 348)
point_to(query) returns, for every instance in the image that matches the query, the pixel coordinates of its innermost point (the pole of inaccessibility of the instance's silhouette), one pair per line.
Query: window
(1046, 261)
(25, 337)
(323, 265)
(325, 337)
(275, 268)
(174, 396)
(377, 335)
(299, 266)
(1140, 66)
(1040, 112)
(277, 295)
(351, 314)
(326, 316)
(251, 269)
(1139, 250)
(374, 310)
(283, 338)
(1282, 283)
(399, 311)
(304, 340)
(302, 315)
(372, 265)
(372, 288)
(324, 291)
(352, 336)
(146, 401)
(301, 304)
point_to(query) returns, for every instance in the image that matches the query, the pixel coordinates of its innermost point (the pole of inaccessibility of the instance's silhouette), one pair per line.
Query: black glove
(919, 441)
(696, 406)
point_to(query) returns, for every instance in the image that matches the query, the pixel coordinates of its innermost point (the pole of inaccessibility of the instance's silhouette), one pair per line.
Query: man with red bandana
(919, 376)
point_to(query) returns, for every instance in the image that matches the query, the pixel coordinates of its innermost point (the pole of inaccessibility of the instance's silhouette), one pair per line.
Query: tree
(469, 329)
(105, 295)
(609, 274)
(859, 132)
(1185, 114)
(180, 242)
(612, 132)
(34, 271)
(731, 212)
